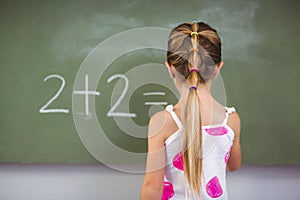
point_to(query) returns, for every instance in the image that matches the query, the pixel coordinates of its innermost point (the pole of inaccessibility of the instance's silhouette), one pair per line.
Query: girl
(191, 145)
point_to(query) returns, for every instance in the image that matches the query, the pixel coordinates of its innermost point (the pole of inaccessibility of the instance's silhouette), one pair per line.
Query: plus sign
(86, 93)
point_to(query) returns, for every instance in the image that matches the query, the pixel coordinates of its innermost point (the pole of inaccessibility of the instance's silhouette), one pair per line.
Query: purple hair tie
(193, 87)
(193, 70)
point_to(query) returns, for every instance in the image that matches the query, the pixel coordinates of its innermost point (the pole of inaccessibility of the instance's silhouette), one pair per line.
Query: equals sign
(155, 102)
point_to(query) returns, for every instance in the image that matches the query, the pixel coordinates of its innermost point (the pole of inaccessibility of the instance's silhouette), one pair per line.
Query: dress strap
(169, 108)
(228, 111)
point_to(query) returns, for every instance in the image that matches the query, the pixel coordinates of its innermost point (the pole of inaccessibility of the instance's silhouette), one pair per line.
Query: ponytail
(194, 50)
(192, 137)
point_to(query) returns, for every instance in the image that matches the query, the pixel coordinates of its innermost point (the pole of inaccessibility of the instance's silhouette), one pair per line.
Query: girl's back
(217, 141)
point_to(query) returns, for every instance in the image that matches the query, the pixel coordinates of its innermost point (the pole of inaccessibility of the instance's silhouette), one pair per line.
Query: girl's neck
(203, 92)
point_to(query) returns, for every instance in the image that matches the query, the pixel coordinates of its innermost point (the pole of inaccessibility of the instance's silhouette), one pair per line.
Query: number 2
(44, 108)
(112, 112)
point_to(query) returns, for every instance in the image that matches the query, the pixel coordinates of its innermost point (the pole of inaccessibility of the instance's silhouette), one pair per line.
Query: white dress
(217, 142)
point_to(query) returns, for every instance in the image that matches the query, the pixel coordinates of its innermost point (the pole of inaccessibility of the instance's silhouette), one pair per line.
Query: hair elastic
(194, 21)
(193, 87)
(194, 49)
(193, 70)
(194, 33)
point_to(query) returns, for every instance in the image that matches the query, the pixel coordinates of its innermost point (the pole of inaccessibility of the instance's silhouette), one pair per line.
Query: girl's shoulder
(234, 121)
(232, 118)
(162, 123)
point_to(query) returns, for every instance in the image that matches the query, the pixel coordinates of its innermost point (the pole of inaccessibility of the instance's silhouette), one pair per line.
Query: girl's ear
(218, 68)
(219, 65)
(170, 69)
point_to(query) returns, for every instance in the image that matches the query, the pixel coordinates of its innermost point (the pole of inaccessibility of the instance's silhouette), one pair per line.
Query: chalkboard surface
(60, 89)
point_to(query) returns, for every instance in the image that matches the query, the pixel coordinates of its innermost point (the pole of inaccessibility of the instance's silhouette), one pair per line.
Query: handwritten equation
(86, 93)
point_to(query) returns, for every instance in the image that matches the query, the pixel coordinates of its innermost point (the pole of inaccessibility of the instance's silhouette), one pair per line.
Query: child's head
(195, 45)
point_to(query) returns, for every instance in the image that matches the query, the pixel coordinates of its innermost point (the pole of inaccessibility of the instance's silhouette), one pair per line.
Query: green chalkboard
(79, 79)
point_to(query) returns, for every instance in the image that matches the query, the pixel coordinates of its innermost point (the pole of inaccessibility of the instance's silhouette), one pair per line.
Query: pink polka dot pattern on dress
(227, 155)
(168, 191)
(178, 161)
(216, 131)
(213, 188)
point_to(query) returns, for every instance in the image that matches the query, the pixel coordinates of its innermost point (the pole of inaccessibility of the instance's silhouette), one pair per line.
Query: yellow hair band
(194, 33)
(194, 49)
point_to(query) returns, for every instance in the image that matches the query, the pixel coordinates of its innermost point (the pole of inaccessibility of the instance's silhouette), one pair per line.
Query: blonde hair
(193, 46)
